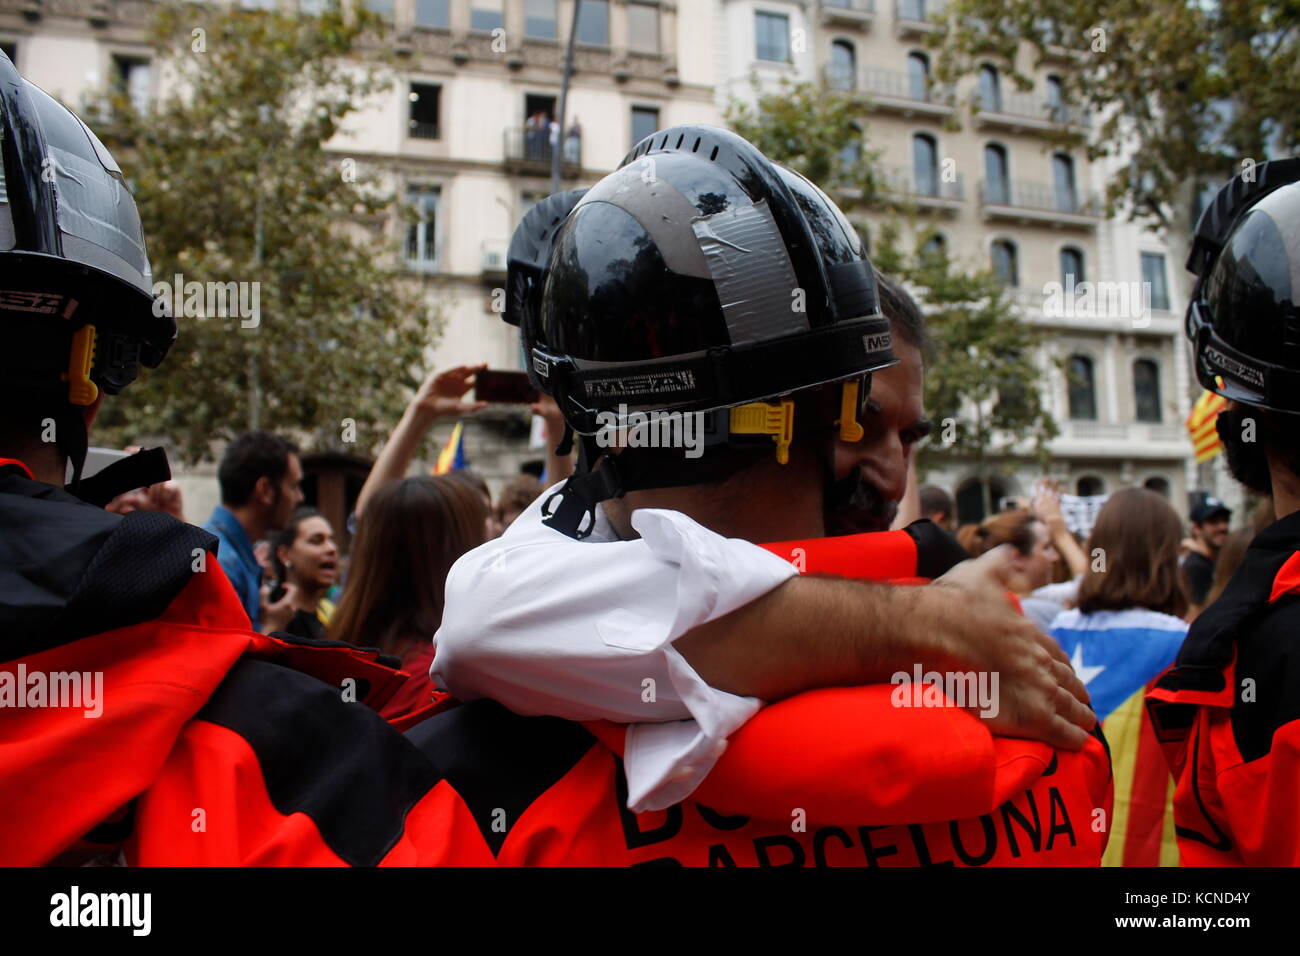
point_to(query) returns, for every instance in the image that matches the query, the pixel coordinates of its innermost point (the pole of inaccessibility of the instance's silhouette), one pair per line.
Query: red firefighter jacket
(837, 777)
(1227, 714)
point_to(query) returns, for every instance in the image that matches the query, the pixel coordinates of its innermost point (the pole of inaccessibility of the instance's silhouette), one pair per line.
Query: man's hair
(1138, 531)
(251, 456)
(934, 498)
(904, 314)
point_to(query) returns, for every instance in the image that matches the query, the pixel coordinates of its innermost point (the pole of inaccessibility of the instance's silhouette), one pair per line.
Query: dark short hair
(251, 456)
(934, 498)
(903, 313)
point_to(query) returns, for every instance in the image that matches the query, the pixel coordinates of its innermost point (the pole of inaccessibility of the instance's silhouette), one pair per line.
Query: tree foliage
(1188, 91)
(234, 184)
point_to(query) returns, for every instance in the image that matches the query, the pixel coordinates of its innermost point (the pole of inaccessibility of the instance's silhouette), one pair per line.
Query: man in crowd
(260, 477)
(1210, 518)
(936, 504)
(668, 589)
(1228, 712)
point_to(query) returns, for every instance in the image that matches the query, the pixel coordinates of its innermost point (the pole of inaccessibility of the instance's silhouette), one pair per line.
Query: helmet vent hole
(713, 155)
(679, 141)
(696, 147)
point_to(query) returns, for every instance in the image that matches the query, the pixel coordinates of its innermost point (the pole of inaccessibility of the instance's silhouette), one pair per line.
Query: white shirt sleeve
(583, 630)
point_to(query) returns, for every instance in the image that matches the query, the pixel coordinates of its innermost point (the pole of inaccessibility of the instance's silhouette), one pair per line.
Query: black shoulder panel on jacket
(339, 763)
(497, 760)
(1268, 654)
(936, 550)
(69, 570)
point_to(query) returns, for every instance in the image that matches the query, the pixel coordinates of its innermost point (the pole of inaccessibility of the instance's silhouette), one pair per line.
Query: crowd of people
(635, 659)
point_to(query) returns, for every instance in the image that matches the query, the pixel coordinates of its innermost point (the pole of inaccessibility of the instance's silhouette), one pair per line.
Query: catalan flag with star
(1201, 425)
(1118, 655)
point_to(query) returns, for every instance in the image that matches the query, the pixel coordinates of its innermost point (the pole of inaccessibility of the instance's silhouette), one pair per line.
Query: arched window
(1082, 389)
(990, 89)
(844, 66)
(1005, 265)
(918, 76)
(852, 150)
(1157, 484)
(925, 164)
(1071, 267)
(997, 181)
(1146, 390)
(1089, 485)
(934, 248)
(975, 501)
(1067, 198)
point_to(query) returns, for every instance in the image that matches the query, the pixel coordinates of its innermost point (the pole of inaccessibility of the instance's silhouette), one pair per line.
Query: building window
(1146, 390)
(1071, 267)
(645, 120)
(433, 13)
(385, 8)
(772, 35)
(934, 249)
(1082, 389)
(1067, 199)
(912, 10)
(1089, 485)
(1055, 99)
(918, 76)
(1153, 274)
(997, 182)
(844, 66)
(422, 231)
(851, 152)
(485, 15)
(1157, 484)
(131, 78)
(642, 28)
(990, 89)
(925, 164)
(593, 22)
(423, 121)
(1005, 266)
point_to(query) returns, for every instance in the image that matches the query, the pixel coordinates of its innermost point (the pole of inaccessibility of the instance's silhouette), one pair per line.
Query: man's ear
(264, 490)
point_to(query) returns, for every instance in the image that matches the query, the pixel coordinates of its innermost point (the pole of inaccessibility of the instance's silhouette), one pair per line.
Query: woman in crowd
(413, 531)
(305, 560)
(1126, 630)
(1035, 556)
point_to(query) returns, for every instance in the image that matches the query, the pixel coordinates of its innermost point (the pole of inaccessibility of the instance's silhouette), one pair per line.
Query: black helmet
(698, 277)
(1244, 315)
(76, 292)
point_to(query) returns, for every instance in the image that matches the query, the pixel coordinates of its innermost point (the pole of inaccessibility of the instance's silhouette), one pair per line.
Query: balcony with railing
(929, 190)
(847, 13)
(1121, 439)
(913, 19)
(1020, 112)
(1028, 203)
(895, 91)
(529, 152)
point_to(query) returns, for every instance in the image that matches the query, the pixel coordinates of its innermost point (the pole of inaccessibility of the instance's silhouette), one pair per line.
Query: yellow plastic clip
(761, 418)
(850, 427)
(81, 390)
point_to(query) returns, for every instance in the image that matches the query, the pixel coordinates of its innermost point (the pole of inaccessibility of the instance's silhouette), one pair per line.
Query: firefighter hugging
(669, 659)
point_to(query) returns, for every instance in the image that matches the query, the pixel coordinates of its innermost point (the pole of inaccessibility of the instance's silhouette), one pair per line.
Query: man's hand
(442, 394)
(1040, 696)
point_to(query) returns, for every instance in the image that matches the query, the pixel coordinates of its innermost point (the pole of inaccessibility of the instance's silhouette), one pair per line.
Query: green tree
(235, 185)
(1187, 91)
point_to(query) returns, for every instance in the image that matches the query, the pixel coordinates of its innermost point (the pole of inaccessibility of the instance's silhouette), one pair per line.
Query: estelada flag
(1201, 425)
(452, 456)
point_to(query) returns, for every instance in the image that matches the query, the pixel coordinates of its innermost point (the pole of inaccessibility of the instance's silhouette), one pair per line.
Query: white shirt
(546, 624)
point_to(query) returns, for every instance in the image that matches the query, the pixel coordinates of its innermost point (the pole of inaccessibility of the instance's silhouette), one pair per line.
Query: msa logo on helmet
(1236, 369)
(43, 303)
(877, 342)
(680, 381)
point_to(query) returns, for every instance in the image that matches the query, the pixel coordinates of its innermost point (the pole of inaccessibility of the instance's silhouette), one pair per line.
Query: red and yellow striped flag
(1201, 425)
(452, 456)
